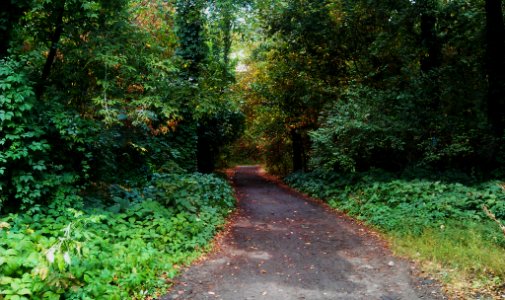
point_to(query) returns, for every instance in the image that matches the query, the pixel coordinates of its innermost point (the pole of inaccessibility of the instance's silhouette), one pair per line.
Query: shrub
(403, 203)
(107, 253)
(23, 149)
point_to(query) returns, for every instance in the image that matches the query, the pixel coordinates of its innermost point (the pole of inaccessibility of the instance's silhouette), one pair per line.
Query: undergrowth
(459, 254)
(437, 220)
(129, 249)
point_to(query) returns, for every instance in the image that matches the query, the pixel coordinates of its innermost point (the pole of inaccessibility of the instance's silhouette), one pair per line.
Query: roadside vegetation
(439, 222)
(130, 247)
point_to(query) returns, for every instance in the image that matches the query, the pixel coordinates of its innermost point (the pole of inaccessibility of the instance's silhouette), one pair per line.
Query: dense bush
(406, 204)
(193, 193)
(368, 126)
(20, 139)
(131, 248)
(28, 175)
(381, 128)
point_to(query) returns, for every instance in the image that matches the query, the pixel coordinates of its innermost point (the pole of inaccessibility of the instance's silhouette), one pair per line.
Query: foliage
(366, 126)
(215, 131)
(389, 201)
(27, 175)
(393, 85)
(21, 145)
(297, 72)
(190, 31)
(372, 127)
(106, 107)
(112, 253)
(192, 193)
(116, 99)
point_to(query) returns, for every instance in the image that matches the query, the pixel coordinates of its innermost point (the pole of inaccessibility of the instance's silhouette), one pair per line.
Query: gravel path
(283, 246)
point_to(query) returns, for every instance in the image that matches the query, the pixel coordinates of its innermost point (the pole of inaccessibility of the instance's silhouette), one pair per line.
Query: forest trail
(282, 246)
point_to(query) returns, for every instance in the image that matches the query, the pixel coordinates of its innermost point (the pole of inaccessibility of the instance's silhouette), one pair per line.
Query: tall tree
(11, 12)
(431, 50)
(495, 38)
(55, 39)
(204, 30)
(303, 64)
(190, 31)
(430, 59)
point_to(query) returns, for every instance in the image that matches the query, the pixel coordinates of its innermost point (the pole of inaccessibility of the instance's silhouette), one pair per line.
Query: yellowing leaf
(4, 225)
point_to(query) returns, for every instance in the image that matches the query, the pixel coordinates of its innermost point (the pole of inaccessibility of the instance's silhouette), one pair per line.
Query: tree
(55, 39)
(430, 60)
(495, 65)
(431, 53)
(12, 11)
(205, 29)
(190, 24)
(303, 62)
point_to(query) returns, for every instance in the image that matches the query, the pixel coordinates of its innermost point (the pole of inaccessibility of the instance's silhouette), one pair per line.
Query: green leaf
(24, 291)
(4, 280)
(6, 292)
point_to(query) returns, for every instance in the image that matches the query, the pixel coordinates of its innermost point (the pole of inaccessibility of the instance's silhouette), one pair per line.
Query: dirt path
(282, 246)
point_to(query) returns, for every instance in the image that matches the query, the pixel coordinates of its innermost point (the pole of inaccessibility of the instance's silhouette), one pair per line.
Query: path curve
(283, 246)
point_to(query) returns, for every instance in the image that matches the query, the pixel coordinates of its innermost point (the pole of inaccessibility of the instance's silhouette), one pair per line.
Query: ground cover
(129, 249)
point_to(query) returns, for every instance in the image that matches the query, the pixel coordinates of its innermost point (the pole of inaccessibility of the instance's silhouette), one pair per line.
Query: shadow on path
(282, 246)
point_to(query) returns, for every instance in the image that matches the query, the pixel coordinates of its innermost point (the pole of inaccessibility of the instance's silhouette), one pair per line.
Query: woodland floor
(281, 245)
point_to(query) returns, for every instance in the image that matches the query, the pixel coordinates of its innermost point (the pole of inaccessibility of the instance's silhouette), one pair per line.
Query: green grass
(458, 254)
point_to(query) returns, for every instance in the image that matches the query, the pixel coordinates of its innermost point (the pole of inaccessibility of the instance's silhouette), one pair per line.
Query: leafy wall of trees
(103, 91)
(357, 85)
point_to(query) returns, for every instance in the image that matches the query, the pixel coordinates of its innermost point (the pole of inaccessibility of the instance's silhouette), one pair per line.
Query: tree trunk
(430, 61)
(298, 153)
(9, 16)
(192, 49)
(495, 62)
(205, 156)
(227, 40)
(52, 51)
(190, 23)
